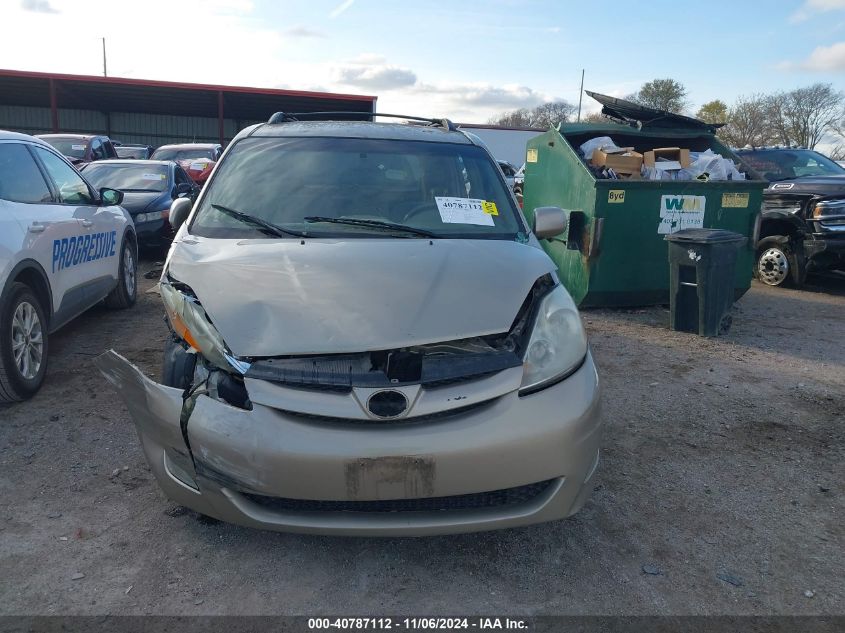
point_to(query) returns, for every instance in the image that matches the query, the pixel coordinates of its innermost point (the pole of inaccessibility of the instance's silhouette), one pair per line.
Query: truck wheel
(126, 291)
(777, 263)
(23, 345)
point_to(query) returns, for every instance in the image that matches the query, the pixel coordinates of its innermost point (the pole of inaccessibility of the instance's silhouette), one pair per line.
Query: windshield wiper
(268, 227)
(374, 224)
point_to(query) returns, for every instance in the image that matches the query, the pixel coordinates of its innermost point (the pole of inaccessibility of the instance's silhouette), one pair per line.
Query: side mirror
(548, 222)
(183, 189)
(110, 197)
(179, 211)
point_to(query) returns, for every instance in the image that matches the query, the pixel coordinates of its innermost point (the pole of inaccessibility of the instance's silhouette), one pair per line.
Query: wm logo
(680, 212)
(683, 203)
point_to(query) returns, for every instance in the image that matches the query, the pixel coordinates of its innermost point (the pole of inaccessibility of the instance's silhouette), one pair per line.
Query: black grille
(480, 500)
(439, 415)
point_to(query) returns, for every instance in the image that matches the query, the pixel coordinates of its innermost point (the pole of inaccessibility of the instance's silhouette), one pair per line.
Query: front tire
(777, 263)
(126, 292)
(23, 345)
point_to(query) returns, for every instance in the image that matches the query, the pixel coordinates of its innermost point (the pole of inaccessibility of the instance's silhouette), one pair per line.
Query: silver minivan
(367, 339)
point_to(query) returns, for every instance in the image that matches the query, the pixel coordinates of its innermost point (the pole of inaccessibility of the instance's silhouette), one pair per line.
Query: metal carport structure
(151, 112)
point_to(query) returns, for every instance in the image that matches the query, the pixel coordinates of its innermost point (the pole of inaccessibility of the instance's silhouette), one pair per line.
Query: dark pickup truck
(803, 215)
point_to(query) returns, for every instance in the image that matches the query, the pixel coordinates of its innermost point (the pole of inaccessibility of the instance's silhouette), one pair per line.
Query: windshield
(308, 184)
(70, 147)
(791, 163)
(175, 153)
(127, 177)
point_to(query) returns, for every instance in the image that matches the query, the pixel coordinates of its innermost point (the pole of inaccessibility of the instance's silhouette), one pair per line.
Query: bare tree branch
(543, 116)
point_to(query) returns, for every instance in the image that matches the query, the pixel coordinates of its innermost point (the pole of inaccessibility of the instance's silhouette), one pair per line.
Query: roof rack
(289, 117)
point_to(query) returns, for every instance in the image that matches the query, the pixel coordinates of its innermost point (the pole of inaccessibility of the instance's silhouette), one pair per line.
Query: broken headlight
(191, 324)
(558, 344)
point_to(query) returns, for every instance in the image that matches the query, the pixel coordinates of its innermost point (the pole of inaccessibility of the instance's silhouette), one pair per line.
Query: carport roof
(121, 94)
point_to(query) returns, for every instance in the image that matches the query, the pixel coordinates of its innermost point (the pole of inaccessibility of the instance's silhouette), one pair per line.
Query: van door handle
(87, 223)
(36, 227)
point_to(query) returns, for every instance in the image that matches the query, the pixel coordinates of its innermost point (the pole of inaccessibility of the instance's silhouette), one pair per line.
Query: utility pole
(105, 73)
(580, 95)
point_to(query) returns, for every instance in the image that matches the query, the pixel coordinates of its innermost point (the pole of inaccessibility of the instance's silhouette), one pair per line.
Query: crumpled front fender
(156, 409)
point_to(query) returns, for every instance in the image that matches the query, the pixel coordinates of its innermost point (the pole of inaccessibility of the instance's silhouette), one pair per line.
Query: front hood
(817, 185)
(284, 297)
(136, 202)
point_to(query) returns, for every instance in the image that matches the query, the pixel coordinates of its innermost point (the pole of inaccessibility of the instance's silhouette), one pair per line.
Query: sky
(467, 60)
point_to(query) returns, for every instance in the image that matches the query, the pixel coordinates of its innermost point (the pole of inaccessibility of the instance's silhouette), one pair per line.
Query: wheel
(23, 345)
(126, 291)
(777, 263)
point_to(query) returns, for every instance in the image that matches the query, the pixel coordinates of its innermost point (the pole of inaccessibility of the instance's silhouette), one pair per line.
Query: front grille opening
(392, 422)
(475, 501)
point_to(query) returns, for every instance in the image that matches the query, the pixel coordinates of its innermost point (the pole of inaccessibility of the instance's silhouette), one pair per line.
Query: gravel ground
(720, 491)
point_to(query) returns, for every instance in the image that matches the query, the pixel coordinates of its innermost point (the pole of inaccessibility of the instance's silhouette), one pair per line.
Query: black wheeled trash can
(702, 265)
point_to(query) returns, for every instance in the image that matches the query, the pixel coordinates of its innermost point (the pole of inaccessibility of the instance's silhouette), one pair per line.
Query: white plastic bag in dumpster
(600, 142)
(710, 166)
(655, 173)
(704, 166)
(733, 172)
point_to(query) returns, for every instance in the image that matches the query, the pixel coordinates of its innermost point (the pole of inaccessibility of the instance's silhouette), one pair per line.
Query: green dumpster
(614, 252)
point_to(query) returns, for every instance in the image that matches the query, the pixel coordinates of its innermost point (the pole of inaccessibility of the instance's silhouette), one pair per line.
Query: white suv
(63, 248)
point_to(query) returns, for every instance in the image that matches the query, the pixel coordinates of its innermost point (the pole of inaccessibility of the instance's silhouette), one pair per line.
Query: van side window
(70, 185)
(20, 178)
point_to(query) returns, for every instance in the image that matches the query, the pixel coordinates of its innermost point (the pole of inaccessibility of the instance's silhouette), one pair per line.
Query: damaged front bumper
(506, 462)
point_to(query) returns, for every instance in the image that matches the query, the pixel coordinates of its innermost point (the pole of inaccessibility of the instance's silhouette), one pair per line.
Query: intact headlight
(828, 207)
(149, 217)
(190, 323)
(557, 345)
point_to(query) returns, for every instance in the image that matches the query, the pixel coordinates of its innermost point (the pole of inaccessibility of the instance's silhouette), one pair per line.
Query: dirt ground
(720, 491)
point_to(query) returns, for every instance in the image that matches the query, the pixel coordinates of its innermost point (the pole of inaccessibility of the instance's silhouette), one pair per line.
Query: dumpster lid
(705, 236)
(630, 112)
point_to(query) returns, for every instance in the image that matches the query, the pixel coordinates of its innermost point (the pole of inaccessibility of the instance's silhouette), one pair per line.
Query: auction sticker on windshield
(466, 211)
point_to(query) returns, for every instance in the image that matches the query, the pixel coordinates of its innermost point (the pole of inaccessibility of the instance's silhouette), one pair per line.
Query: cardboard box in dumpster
(623, 161)
(673, 158)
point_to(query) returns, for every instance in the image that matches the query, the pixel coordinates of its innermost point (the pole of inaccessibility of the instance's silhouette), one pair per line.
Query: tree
(805, 115)
(552, 113)
(748, 122)
(838, 152)
(514, 118)
(713, 112)
(595, 117)
(544, 115)
(662, 94)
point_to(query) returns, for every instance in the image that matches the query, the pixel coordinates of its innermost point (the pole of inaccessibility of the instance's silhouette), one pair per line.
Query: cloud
(376, 77)
(343, 6)
(39, 6)
(813, 7)
(372, 72)
(822, 59)
(487, 96)
(291, 57)
(303, 31)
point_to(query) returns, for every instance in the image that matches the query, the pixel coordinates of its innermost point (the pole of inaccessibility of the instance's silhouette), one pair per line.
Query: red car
(198, 159)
